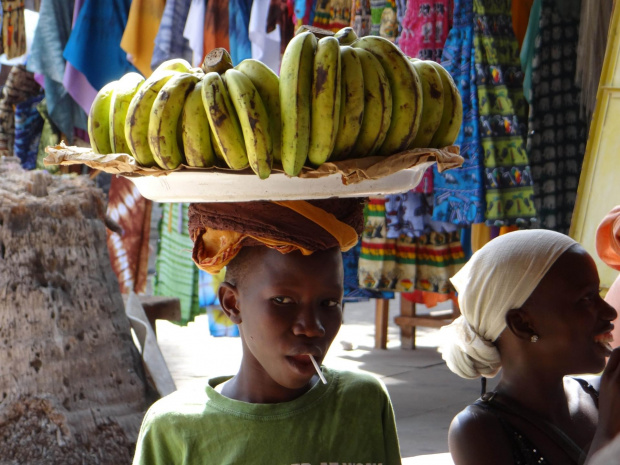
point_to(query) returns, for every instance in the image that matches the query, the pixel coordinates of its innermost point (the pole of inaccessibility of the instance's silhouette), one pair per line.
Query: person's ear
(229, 301)
(520, 324)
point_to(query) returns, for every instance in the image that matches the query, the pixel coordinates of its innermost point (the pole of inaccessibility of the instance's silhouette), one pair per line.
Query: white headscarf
(498, 277)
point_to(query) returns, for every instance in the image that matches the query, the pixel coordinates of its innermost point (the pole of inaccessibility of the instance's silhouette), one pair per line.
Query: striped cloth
(175, 272)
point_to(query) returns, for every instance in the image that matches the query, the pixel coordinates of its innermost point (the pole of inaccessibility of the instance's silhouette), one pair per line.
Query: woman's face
(569, 315)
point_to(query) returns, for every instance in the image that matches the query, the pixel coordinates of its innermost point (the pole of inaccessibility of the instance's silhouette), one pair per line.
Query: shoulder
(180, 406)
(477, 436)
(358, 382)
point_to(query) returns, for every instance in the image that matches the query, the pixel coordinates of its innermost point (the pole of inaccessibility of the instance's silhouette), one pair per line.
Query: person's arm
(609, 405)
(155, 445)
(390, 436)
(477, 437)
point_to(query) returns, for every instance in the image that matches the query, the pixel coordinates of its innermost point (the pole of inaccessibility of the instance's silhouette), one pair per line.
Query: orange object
(608, 249)
(520, 18)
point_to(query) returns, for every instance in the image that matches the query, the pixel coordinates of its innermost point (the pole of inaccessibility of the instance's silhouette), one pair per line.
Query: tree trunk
(72, 387)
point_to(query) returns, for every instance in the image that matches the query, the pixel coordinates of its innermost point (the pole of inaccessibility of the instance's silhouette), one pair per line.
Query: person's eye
(331, 303)
(282, 300)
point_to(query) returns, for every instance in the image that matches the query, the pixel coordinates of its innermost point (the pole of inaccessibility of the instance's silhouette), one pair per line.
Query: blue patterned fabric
(352, 290)
(459, 196)
(94, 47)
(169, 42)
(28, 127)
(238, 26)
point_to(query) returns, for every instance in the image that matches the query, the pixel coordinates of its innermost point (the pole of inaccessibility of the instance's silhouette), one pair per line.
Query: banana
(295, 98)
(164, 121)
(138, 114)
(175, 64)
(406, 92)
(346, 36)
(325, 103)
(226, 130)
(452, 117)
(254, 121)
(432, 103)
(195, 131)
(377, 106)
(267, 84)
(99, 120)
(351, 103)
(126, 88)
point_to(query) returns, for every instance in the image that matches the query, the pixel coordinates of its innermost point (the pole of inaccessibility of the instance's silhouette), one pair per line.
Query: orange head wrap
(608, 239)
(220, 230)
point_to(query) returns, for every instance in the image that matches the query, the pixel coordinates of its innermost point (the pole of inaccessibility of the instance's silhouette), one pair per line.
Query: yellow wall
(599, 185)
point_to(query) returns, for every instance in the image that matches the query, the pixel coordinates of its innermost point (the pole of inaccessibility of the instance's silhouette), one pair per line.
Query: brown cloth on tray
(220, 230)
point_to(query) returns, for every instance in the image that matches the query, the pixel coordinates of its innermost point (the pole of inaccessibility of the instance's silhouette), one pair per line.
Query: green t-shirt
(349, 420)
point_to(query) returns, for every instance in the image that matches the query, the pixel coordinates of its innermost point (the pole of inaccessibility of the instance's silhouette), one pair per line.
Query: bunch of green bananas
(337, 97)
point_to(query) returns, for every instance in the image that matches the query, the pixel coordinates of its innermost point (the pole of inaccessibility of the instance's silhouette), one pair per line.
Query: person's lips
(605, 339)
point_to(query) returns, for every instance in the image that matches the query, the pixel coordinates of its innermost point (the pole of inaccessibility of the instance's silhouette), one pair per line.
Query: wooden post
(382, 311)
(407, 333)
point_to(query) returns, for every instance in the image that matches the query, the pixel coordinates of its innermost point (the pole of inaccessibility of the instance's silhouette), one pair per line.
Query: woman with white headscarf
(531, 307)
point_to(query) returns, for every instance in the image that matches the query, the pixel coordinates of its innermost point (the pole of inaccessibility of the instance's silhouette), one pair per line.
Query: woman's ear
(519, 323)
(229, 301)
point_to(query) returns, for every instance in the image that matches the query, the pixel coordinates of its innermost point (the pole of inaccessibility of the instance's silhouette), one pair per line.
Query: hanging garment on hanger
(557, 133)
(194, 30)
(238, 24)
(13, 28)
(509, 193)
(459, 197)
(74, 81)
(94, 45)
(216, 26)
(169, 42)
(265, 45)
(360, 17)
(140, 33)
(46, 58)
(279, 15)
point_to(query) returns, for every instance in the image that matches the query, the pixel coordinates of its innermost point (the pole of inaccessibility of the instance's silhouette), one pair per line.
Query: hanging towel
(139, 36)
(265, 45)
(194, 30)
(216, 26)
(75, 82)
(94, 46)
(169, 42)
(459, 197)
(46, 58)
(238, 25)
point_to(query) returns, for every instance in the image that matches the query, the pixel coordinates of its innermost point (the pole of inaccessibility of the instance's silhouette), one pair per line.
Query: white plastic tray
(200, 186)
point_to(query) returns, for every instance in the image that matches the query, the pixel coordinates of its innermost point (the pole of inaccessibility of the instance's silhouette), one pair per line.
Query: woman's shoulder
(477, 436)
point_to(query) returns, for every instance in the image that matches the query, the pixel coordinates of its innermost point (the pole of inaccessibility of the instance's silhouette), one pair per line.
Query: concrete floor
(425, 394)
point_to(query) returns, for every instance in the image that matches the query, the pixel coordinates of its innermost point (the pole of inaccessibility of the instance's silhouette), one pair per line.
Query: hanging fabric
(509, 193)
(332, 15)
(169, 41)
(593, 31)
(194, 30)
(46, 58)
(28, 126)
(520, 17)
(383, 20)
(238, 24)
(557, 133)
(216, 26)
(129, 250)
(19, 87)
(50, 135)
(425, 28)
(175, 272)
(265, 45)
(13, 28)
(280, 15)
(74, 81)
(139, 36)
(528, 48)
(458, 194)
(360, 17)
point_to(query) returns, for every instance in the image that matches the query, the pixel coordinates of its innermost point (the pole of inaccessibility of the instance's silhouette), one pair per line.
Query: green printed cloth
(176, 275)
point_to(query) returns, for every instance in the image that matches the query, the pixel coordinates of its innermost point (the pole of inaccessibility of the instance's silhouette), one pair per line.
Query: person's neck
(261, 389)
(540, 393)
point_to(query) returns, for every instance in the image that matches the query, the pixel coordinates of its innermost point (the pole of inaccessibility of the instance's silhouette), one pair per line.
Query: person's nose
(607, 312)
(308, 322)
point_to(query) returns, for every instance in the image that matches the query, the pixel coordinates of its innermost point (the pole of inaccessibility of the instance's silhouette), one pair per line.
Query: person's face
(569, 314)
(289, 306)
